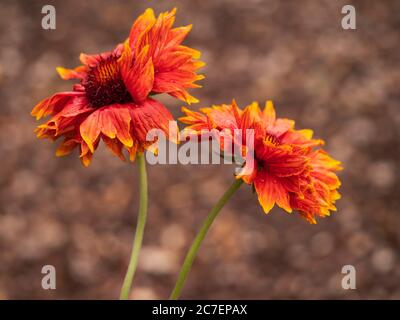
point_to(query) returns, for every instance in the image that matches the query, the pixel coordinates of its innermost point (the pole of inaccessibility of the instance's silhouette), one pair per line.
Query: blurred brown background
(343, 84)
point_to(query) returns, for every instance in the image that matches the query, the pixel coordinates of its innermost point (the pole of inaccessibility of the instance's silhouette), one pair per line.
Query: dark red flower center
(104, 84)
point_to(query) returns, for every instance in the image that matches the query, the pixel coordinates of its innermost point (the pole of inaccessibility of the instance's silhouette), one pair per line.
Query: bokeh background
(343, 84)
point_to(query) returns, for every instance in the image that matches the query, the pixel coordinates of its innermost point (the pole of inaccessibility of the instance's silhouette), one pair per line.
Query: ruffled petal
(91, 60)
(90, 129)
(75, 106)
(112, 121)
(301, 138)
(280, 127)
(322, 160)
(158, 35)
(77, 73)
(53, 104)
(137, 73)
(196, 121)
(288, 164)
(142, 25)
(86, 154)
(270, 191)
(115, 147)
(177, 35)
(251, 116)
(224, 116)
(174, 65)
(152, 115)
(66, 147)
(269, 114)
(115, 122)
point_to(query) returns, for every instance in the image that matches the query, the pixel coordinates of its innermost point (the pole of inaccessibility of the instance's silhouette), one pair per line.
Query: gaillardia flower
(288, 170)
(112, 100)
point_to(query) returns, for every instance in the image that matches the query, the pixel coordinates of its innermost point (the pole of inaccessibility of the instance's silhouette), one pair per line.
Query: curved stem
(191, 255)
(137, 244)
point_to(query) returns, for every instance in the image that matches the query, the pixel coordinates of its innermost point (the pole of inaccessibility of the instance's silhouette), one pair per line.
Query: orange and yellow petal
(137, 73)
(86, 155)
(112, 121)
(251, 116)
(270, 191)
(66, 147)
(269, 114)
(91, 60)
(196, 121)
(223, 116)
(53, 104)
(150, 115)
(301, 138)
(68, 74)
(141, 26)
(115, 122)
(90, 129)
(175, 65)
(288, 171)
(115, 146)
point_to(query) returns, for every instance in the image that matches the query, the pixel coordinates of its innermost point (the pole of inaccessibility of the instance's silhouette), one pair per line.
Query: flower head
(289, 171)
(112, 100)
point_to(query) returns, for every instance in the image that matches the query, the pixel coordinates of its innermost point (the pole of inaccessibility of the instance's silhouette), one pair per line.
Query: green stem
(137, 244)
(191, 255)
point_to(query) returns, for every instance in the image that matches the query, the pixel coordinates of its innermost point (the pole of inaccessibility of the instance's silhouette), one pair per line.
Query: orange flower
(111, 101)
(288, 170)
